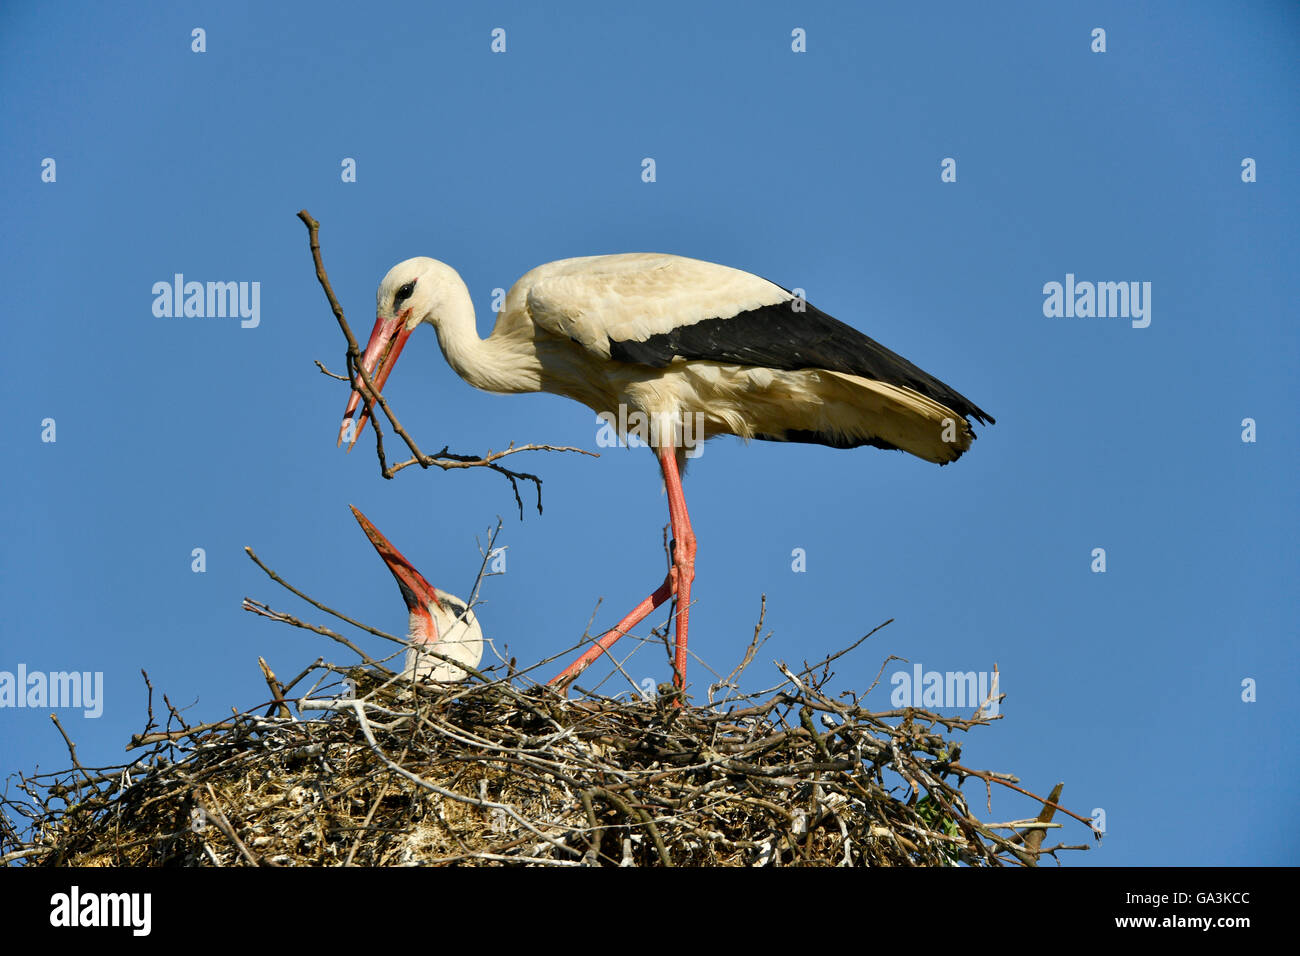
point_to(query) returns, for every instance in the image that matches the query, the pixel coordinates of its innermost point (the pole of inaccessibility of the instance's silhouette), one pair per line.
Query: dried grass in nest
(393, 773)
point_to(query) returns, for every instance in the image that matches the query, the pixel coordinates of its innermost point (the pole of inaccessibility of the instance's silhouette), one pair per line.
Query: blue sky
(819, 170)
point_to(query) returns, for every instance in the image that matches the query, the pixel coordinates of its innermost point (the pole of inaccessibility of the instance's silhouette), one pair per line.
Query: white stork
(439, 621)
(672, 337)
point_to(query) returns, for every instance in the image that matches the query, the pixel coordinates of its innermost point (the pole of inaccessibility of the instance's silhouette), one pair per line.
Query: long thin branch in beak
(387, 340)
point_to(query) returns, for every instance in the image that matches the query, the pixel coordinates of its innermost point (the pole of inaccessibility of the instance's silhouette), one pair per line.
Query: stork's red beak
(416, 591)
(387, 340)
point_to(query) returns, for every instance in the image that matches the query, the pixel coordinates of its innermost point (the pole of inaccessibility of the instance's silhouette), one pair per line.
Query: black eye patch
(404, 292)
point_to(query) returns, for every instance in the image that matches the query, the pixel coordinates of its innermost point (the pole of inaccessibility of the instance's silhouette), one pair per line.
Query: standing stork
(682, 342)
(439, 621)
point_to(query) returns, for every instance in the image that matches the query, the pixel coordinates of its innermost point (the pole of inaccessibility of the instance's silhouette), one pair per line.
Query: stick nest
(390, 773)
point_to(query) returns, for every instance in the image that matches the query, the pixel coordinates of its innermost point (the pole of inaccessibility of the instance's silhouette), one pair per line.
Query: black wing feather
(777, 336)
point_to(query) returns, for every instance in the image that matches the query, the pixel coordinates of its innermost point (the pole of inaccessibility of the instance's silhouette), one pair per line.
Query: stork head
(439, 621)
(414, 291)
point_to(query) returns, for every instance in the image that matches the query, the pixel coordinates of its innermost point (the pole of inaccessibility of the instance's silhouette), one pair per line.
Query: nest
(378, 771)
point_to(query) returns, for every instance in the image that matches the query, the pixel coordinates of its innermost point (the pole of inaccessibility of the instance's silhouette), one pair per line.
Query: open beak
(416, 591)
(387, 340)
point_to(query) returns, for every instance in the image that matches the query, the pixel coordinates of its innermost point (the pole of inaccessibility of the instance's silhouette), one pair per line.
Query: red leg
(638, 614)
(683, 557)
(678, 582)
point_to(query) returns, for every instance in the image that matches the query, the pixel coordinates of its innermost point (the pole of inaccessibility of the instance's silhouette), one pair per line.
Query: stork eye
(404, 292)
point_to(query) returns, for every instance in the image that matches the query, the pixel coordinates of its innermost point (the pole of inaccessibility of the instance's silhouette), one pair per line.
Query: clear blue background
(818, 170)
